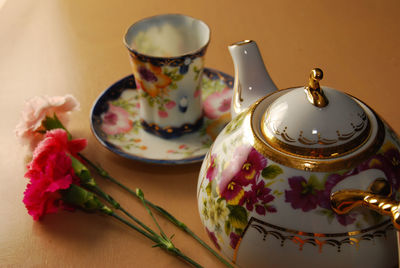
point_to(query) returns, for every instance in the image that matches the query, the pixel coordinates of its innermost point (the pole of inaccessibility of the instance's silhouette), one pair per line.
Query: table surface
(55, 47)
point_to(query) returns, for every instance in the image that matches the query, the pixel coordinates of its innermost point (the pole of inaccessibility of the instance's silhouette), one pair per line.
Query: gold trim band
(325, 152)
(316, 163)
(315, 239)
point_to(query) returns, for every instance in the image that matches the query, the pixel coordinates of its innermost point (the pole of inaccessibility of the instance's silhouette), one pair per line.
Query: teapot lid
(316, 123)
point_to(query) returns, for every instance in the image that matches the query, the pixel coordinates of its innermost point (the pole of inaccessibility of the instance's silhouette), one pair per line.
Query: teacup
(167, 56)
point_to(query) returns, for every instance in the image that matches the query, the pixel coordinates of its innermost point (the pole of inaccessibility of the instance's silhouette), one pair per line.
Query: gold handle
(376, 198)
(314, 92)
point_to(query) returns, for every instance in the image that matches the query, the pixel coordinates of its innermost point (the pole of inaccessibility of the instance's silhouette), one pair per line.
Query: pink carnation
(42, 195)
(49, 172)
(55, 141)
(36, 110)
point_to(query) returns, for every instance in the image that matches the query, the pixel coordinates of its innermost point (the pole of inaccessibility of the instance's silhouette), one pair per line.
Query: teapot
(300, 177)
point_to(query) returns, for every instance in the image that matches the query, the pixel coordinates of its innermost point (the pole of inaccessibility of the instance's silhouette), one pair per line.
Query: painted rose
(116, 120)
(170, 104)
(217, 104)
(37, 109)
(162, 113)
(150, 78)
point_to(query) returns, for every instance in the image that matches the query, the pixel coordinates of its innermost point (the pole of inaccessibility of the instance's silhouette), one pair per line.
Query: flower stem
(177, 252)
(151, 237)
(160, 242)
(140, 195)
(116, 205)
(162, 211)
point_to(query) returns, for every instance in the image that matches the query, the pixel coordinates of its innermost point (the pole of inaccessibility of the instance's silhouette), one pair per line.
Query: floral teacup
(167, 56)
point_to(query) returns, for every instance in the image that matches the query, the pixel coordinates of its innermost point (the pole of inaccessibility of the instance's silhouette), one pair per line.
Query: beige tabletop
(55, 47)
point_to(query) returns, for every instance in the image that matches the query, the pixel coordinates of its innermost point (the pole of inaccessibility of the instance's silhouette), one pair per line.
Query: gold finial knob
(314, 92)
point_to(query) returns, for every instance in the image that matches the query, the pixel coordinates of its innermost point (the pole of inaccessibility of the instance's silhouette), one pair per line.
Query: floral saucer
(115, 122)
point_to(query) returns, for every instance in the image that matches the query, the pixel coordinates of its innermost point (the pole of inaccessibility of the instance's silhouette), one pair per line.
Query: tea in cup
(167, 56)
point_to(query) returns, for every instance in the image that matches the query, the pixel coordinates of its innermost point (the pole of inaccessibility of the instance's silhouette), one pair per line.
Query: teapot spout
(252, 80)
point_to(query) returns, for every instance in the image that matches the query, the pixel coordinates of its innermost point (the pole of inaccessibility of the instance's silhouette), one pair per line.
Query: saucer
(115, 122)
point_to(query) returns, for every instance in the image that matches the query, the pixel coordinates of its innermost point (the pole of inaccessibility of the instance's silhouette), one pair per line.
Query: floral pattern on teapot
(239, 183)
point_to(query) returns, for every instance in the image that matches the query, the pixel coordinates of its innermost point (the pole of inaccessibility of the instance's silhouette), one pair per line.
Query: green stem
(140, 195)
(162, 211)
(116, 205)
(184, 227)
(151, 237)
(186, 258)
(166, 245)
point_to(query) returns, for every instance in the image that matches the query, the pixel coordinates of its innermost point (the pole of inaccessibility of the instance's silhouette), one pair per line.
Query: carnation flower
(55, 141)
(56, 173)
(49, 172)
(36, 110)
(42, 195)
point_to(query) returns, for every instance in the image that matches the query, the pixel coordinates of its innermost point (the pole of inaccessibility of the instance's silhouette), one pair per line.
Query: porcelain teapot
(300, 177)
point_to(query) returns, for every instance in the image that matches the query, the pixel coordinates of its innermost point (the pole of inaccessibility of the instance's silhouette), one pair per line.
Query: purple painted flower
(213, 238)
(331, 182)
(303, 195)
(212, 169)
(233, 192)
(244, 168)
(147, 75)
(258, 197)
(261, 210)
(251, 168)
(346, 219)
(235, 238)
(325, 195)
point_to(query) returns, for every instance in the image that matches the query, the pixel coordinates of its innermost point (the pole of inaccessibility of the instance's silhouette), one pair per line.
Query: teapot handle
(377, 198)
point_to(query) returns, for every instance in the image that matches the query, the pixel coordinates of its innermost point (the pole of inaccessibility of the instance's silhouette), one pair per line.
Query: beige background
(56, 47)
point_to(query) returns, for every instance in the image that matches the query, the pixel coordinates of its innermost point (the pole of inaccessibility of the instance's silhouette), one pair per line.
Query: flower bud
(139, 193)
(77, 196)
(82, 172)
